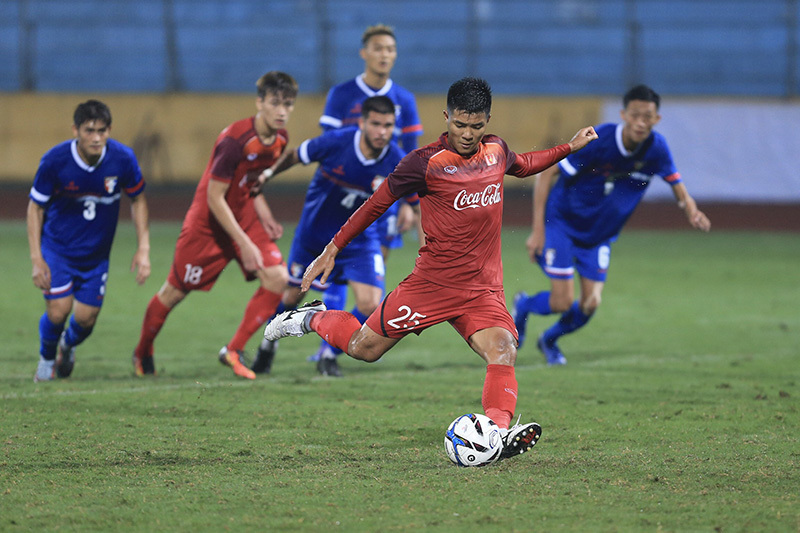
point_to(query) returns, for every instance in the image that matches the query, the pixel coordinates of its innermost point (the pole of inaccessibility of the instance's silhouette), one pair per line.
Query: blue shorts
(387, 228)
(86, 281)
(562, 256)
(363, 264)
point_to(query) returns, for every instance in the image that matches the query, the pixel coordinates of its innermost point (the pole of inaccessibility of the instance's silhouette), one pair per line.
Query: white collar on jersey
(369, 91)
(80, 162)
(361, 157)
(620, 145)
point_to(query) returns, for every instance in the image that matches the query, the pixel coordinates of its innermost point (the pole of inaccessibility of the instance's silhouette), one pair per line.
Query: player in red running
(226, 222)
(458, 277)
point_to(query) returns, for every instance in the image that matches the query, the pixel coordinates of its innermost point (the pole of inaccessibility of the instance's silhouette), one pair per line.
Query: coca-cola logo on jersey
(489, 196)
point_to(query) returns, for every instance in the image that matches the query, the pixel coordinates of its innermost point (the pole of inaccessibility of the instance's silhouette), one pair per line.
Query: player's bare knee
(560, 304)
(275, 278)
(367, 308)
(170, 296)
(358, 351)
(362, 349)
(590, 304)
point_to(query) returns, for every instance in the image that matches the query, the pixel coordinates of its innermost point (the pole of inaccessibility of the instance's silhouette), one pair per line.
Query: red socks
(500, 394)
(259, 309)
(154, 319)
(336, 327)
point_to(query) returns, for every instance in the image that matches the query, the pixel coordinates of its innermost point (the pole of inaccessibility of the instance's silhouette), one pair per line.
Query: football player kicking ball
(227, 222)
(458, 276)
(72, 217)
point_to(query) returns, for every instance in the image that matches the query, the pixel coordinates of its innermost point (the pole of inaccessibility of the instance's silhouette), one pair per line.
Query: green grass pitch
(678, 410)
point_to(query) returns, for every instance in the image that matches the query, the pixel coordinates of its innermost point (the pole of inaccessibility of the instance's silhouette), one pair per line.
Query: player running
(227, 222)
(343, 109)
(581, 205)
(458, 276)
(72, 217)
(352, 162)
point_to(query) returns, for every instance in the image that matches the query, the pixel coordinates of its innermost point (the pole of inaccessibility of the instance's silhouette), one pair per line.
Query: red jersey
(238, 158)
(461, 200)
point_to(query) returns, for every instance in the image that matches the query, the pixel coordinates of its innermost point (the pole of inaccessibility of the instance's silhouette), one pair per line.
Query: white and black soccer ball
(473, 440)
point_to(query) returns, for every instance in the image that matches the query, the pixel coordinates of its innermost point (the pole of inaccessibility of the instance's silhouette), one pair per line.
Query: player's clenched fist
(582, 138)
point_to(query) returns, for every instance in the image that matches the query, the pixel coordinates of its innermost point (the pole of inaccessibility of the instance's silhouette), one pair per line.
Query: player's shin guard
(335, 327)
(259, 309)
(154, 318)
(76, 333)
(500, 394)
(334, 351)
(49, 334)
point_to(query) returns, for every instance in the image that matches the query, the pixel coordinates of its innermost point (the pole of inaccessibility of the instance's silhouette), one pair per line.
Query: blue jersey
(82, 202)
(342, 182)
(601, 185)
(343, 108)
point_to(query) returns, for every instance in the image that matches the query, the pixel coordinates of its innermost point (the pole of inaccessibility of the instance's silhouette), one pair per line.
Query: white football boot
(294, 323)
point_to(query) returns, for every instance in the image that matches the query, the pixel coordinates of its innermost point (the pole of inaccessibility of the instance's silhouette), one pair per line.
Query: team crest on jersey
(450, 169)
(491, 159)
(376, 181)
(252, 156)
(549, 256)
(110, 184)
(297, 270)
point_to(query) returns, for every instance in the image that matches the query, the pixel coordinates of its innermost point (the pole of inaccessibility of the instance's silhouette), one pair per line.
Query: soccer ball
(473, 440)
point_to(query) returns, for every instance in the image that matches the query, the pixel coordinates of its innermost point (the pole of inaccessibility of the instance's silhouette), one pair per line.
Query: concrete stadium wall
(172, 134)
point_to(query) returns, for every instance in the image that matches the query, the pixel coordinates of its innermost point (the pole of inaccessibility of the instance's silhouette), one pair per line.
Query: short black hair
(276, 82)
(643, 93)
(471, 95)
(91, 110)
(378, 104)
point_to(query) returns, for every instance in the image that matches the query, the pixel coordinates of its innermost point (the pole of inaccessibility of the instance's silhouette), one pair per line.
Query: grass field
(678, 410)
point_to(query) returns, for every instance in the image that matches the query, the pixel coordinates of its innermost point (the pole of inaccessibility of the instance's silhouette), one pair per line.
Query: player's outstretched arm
(582, 138)
(287, 160)
(323, 264)
(141, 221)
(41, 272)
(696, 218)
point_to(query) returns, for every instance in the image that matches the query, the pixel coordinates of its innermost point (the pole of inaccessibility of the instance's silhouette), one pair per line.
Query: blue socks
(49, 334)
(335, 296)
(76, 334)
(571, 320)
(538, 304)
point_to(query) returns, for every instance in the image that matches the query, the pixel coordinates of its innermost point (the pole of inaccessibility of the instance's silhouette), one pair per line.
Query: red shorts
(200, 258)
(417, 304)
